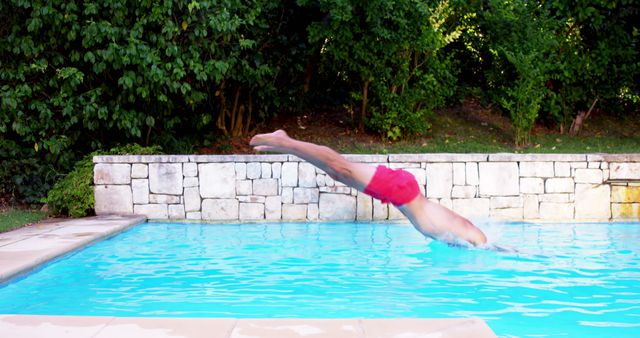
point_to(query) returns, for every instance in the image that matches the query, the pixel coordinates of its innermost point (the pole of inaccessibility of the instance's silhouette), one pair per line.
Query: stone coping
(107, 327)
(26, 248)
(374, 158)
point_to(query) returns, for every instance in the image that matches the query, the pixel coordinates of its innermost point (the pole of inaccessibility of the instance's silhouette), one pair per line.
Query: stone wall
(282, 187)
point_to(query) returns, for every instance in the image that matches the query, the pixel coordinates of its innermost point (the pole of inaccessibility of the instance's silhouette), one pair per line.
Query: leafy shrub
(24, 178)
(388, 52)
(73, 195)
(522, 36)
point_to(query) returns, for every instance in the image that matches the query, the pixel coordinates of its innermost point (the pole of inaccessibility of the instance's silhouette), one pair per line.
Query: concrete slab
(168, 328)
(24, 249)
(419, 327)
(296, 328)
(18, 326)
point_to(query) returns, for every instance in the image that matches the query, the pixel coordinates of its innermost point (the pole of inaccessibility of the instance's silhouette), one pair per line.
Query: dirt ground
(337, 130)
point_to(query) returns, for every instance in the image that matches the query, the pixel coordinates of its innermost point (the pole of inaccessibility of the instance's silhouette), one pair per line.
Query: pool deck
(24, 249)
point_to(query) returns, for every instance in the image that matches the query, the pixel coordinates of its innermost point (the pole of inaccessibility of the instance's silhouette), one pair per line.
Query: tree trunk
(577, 123)
(363, 109)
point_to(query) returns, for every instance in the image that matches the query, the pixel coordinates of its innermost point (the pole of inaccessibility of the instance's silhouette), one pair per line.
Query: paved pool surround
(227, 188)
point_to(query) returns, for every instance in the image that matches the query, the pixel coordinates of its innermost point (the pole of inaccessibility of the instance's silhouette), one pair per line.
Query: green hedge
(73, 194)
(76, 76)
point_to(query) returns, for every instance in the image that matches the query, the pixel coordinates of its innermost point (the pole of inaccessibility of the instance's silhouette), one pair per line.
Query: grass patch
(15, 218)
(491, 133)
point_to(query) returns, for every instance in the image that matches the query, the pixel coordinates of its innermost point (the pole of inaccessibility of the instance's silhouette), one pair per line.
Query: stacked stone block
(282, 187)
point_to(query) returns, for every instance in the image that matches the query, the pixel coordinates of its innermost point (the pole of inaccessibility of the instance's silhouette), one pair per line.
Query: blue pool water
(568, 280)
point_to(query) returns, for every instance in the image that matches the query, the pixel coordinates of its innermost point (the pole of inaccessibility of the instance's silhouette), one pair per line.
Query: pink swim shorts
(396, 186)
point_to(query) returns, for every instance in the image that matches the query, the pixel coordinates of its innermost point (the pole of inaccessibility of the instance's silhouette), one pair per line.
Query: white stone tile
(292, 212)
(439, 180)
(306, 175)
(499, 179)
(289, 174)
(190, 182)
(559, 185)
(111, 174)
(593, 201)
(555, 198)
(196, 215)
(241, 171)
(254, 170)
(624, 171)
(163, 199)
(139, 170)
(217, 180)
(472, 207)
(266, 170)
(404, 165)
(562, 169)
(531, 185)
(498, 202)
(380, 210)
(191, 199)
(507, 214)
(251, 211)
(251, 199)
(588, 176)
(575, 165)
(313, 212)
(305, 195)
(364, 207)
(220, 209)
(556, 211)
(287, 195)
(463, 191)
(244, 187)
(152, 211)
(190, 169)
(265, 187)
(336, 190)
(176, 211)
(459, 176)
(536, 169)
(113, 199)
(273, 207)
(531, 207)
(335, 207)
(276, 169)
(140, 190)
(165, 178)
(471, 170)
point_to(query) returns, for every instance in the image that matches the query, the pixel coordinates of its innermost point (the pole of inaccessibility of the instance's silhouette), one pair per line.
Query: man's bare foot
(271, 142)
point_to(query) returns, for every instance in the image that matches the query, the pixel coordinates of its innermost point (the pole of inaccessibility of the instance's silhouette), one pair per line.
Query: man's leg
(429, 218)
(356, 175)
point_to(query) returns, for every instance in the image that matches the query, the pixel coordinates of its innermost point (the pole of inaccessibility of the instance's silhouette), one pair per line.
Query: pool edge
(56, 239)
(101, 327)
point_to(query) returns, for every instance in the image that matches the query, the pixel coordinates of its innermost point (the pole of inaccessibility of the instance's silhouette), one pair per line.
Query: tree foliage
(77, 76)
(389, 53)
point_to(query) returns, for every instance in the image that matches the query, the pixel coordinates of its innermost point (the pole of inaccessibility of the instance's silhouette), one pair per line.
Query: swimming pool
(571, 280)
